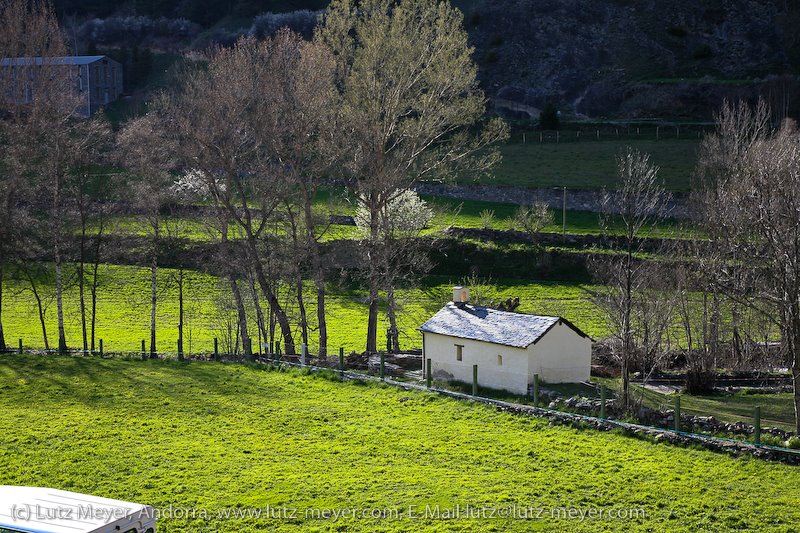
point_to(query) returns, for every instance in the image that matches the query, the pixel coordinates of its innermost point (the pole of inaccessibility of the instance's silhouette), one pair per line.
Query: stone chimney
(460, 295)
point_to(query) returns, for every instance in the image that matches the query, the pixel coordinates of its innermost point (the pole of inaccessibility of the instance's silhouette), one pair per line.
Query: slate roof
(68, 60)
(490, 325)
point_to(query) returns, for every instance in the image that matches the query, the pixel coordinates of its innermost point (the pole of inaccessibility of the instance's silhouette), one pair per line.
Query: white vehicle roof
(42, 510)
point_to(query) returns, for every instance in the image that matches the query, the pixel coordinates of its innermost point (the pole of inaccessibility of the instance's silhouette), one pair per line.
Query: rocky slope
(634, 58)
(675, 59)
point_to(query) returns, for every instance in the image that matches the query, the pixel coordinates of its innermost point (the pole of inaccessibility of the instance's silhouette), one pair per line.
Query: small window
(459, 352)
(499, 360)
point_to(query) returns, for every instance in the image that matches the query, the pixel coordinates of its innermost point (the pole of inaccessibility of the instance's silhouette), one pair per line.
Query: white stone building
(509, 348)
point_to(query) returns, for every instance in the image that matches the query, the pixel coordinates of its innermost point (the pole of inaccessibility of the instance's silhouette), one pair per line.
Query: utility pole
(564, 214)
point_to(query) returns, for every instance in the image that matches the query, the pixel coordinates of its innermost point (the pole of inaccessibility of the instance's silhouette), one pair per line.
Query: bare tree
(228, 122)
(303, 142)
(41, 110)
(755, 174)
(86, 191)
(410, 105)
(402, 254)
(639, 203)
(151, 190)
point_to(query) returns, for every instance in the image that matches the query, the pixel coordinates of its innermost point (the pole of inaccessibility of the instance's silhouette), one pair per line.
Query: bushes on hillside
(135, 28)
(302, 21)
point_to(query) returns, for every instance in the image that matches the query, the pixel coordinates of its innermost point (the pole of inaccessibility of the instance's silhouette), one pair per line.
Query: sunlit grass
(124, 309)
(210, 436)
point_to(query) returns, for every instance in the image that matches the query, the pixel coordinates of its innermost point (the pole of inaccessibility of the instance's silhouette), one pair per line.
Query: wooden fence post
(677, 412)
(216, 348)
(144, 352)
(383, 365)
(341, 361)
(757, 424)
(20, 346)
(303, 354)
(602, 401)
(101, 347)
(536, 389)
(474, 380)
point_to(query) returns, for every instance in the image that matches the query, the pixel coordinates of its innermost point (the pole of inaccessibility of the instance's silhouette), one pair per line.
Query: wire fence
(615, 132)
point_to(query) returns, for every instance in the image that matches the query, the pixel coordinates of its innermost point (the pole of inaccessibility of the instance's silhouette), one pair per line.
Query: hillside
(216, 439)
(633, 59)
(592, 58)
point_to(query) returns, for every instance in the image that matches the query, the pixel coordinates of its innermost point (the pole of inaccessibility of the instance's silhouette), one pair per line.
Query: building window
(459, 352)
(499, 360)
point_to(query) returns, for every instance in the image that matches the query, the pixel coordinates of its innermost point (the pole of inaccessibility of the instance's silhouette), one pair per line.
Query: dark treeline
(203, 12)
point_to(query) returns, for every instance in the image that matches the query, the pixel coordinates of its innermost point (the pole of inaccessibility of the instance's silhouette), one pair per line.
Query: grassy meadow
(590, 164)
(124, 309)
(215, 437)
(777, 409)
(448, 212)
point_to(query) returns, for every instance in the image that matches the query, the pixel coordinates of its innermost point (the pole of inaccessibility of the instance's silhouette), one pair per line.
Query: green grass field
(124, 312)
(467, 214)
(590, 164)
(213, 437)
(776, 409)
(448, 212)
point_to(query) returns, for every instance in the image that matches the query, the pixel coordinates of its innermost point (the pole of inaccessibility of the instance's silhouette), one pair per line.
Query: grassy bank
(210, 437)
(448, 212)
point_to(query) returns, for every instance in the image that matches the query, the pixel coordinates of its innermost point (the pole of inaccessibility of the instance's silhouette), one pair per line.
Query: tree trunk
(82, 284)
(93, 289)
(262, 327)
(242, 317)
(269, 294)
(154, 291)
(319, 276)
(796, 384)
(322, 321)
(393, 340)
(374, 278)
(302, 309)
(272, 331)
(62, 337)
(180, 314)
(625, 369)
(2, 335)
(793, 336)
(372, 321)
(41, 310)
(626, 326)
